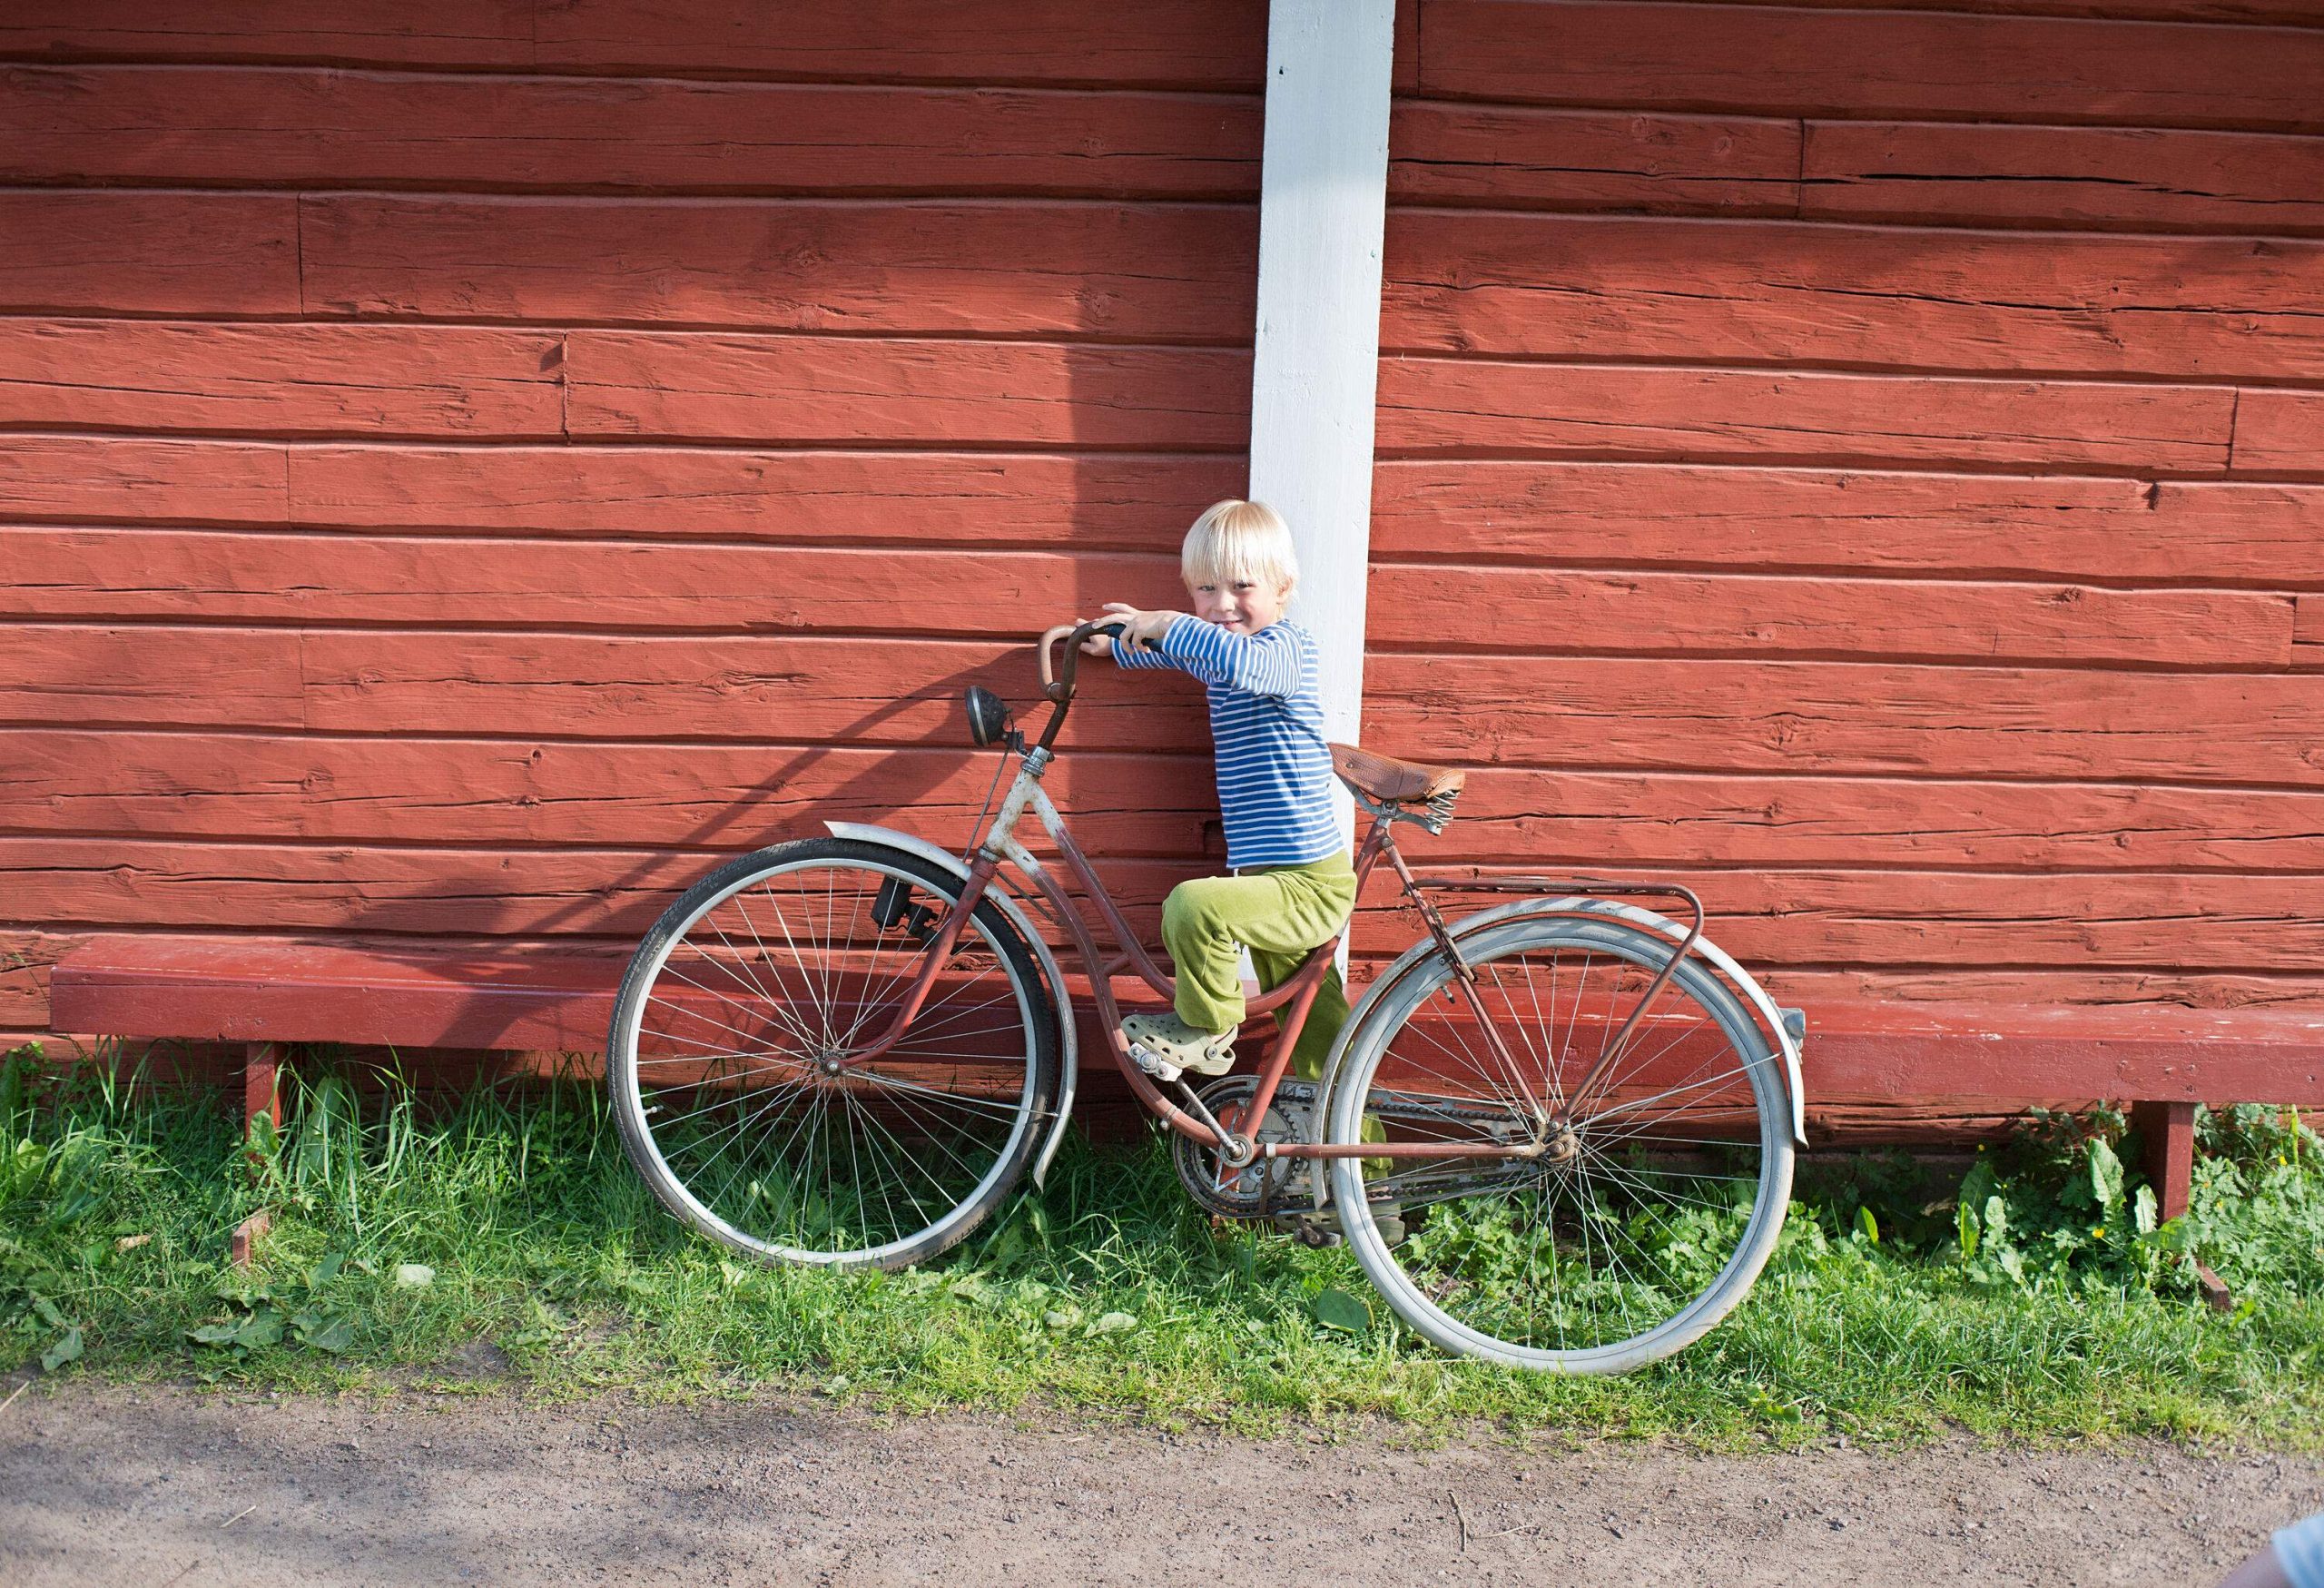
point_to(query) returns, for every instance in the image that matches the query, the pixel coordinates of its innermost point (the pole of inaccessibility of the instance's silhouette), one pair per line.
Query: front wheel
(732, 1065)
(1654, 1191)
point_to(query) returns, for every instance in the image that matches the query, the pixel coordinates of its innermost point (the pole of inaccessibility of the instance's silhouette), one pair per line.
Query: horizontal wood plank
(257, 786)
(2062, 526)
(121, 477)
(1855, 719)
(1510, 157)
(467, 33)
(2175, 307)
(149, 254)
(1787, 61)
(280, 379)
(47, 571)
(1422, 607)
(1180, 273)
(1766, 916)
(250, 127)
(1473, 405)
(749, 689)
(1094, 501)
(1185, 42)
(2280, 432)
(210, 677)
(429, 790)
(2127, 177)
(821, 390)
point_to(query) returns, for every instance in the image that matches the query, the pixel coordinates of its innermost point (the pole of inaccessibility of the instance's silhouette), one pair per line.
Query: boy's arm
(1266, 663)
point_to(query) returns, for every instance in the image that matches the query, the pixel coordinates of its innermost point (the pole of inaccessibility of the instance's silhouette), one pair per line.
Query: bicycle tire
(1603, 1262)
(888, 1164)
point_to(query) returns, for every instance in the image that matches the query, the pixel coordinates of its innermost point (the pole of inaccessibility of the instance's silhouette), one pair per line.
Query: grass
(403, 1241)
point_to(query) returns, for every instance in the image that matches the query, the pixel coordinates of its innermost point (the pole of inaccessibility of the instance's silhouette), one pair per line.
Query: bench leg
(260, 1093)
(2167, 1131)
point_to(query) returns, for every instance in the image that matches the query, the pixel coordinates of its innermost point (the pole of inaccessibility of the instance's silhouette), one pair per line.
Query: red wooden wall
(466, 466)
(1870, 463)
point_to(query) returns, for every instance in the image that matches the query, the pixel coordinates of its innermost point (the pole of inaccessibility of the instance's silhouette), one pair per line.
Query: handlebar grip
(1059, 687)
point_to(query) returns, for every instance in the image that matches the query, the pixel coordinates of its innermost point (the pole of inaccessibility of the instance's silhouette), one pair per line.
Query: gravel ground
(169, 1488)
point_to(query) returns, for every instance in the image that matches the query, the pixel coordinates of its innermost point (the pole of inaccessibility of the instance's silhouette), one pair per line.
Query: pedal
(1155, 1065)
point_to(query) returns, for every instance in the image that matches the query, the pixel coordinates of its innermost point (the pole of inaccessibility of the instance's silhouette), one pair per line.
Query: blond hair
(1235, 539)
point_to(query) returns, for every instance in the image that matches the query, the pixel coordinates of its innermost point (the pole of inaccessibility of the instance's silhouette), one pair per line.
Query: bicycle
(848, 1051)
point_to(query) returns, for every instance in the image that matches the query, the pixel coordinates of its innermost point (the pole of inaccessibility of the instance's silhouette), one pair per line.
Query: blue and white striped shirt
(1266, 719)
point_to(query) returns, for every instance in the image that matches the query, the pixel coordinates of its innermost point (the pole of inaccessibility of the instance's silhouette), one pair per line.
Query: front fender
(1068, 1036)
(1786, 1027)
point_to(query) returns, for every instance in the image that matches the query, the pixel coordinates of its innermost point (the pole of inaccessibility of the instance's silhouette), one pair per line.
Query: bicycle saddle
(1391, 782)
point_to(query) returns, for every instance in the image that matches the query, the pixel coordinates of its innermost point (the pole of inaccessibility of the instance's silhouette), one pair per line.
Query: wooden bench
(2162, 1062)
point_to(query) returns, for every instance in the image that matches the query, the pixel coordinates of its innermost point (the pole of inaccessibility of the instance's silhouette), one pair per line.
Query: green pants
(1279, 913)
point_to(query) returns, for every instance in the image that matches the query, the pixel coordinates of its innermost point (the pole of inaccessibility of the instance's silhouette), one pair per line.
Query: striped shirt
(1267, 720)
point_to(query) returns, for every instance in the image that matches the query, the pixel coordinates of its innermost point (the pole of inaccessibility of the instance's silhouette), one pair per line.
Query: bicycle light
(987, 716)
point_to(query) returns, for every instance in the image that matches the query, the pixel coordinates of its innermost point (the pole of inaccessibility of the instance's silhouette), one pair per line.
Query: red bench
(2163, 1061)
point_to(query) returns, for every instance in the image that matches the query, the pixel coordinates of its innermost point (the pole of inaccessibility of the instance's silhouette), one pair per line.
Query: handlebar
(1058, 687)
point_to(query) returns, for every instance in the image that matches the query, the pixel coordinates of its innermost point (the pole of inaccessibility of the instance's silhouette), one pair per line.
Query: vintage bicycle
(849, 1050)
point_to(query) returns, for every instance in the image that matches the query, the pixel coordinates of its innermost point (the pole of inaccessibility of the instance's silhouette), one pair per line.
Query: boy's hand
(1143, 630)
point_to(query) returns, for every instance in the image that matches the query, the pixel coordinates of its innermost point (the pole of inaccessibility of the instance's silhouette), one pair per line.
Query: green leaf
(414, 1275)
(1114, 1323)
(262, 1328)
(332, 1331)
(67, 1349)
(1996, 1221)
(215, 1334)
(1342, 1310)
(1867, 1225)
(2143, 1210)
(1964, 1223)
(2105, 1173)
(324, 1272)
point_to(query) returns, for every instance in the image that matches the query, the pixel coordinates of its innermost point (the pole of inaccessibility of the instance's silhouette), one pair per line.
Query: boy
(1294, 886)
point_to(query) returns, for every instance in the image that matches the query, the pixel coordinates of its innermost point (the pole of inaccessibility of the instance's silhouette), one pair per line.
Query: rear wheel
(1658, 1188)
(731, 1061)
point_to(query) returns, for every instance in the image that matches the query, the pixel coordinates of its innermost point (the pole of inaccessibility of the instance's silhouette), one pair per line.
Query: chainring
(1264, 1185)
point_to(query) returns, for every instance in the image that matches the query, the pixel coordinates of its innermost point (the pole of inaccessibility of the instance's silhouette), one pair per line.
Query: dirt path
(169, 1489)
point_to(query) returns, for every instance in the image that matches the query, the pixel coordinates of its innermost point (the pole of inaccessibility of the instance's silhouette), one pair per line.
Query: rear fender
(1009, 906)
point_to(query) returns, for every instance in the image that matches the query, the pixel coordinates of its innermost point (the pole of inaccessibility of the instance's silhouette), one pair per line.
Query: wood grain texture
(472, 33)
(856, 390)
(745, 689)
(131, 479)
(1783, 61)
(248, 127)
(427, 790)
(192, 574)
(1477, 407)
(1766, 916)
(1207, 42)
(279, 379)
(1513, 157)
(1178, 274)
(521, 792)
(1861, 521)
(2292, 13)
(1693, 715)
(2122, 177)
(2177, 308)
(1521, 609)
(1096, 501)
(149, 252)
(2280, 432)
(210, 677)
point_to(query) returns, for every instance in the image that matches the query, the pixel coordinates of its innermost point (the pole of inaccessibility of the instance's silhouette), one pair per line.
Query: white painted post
(1314, 373)
(1322, 200)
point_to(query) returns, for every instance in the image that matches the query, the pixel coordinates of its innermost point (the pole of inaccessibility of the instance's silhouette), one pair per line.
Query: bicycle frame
(1294, 997)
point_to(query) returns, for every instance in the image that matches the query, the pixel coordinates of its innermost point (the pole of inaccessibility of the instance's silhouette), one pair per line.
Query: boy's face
(1239, 605)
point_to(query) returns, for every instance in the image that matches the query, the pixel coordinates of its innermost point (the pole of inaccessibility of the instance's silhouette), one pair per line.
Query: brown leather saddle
(1420, 794)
